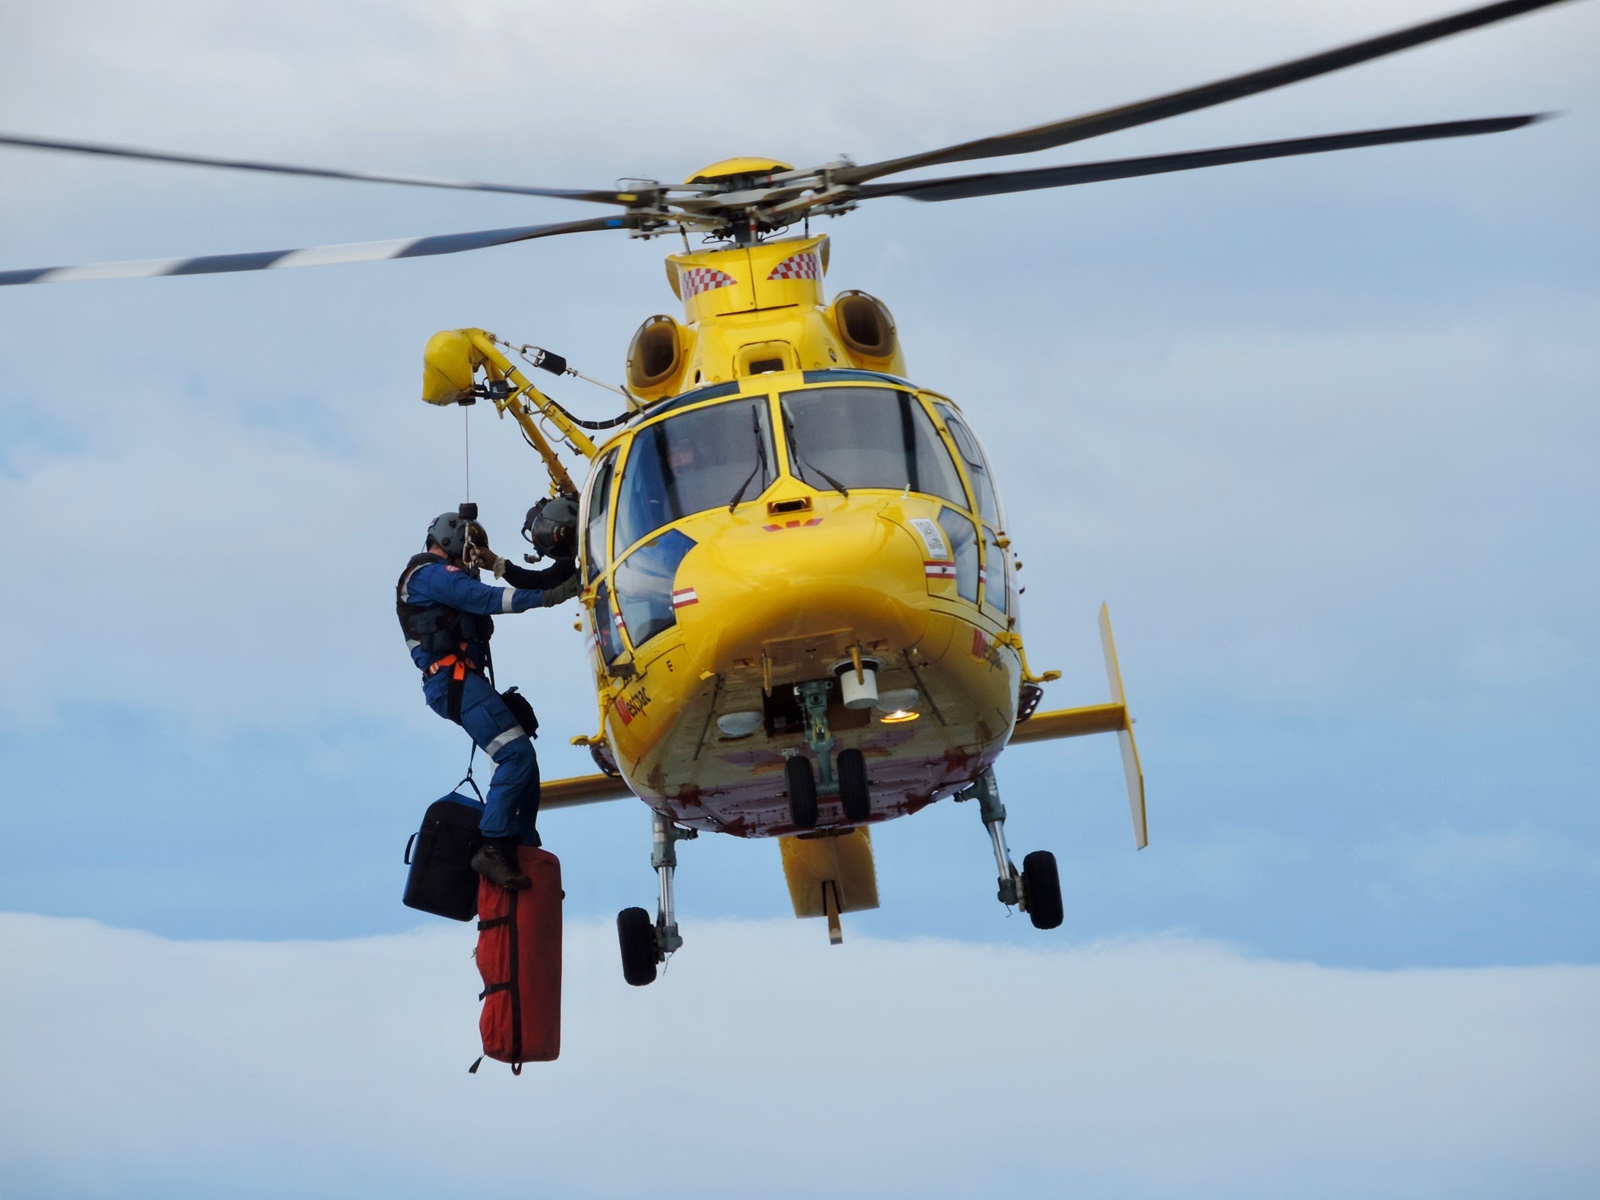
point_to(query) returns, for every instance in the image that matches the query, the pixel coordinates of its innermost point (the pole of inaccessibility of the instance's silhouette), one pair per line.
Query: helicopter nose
(847, 571)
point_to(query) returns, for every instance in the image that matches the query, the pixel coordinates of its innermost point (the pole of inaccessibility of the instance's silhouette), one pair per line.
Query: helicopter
(799, 593)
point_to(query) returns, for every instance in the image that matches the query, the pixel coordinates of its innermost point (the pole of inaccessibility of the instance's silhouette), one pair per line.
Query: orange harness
(460, 662)
(458, 678)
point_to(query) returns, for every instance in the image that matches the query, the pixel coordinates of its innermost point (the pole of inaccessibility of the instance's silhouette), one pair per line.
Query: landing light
(898, 716)
(898, 699)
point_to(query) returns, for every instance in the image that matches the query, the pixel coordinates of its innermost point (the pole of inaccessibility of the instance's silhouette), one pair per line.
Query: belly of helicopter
(681, 727)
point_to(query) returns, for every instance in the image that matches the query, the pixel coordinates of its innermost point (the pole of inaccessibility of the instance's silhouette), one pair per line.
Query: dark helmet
(552, 527)
(451, 531)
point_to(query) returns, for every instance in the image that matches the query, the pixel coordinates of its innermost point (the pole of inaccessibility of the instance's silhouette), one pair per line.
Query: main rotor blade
(315, 256)
(1076, 129)
(246, 164)
(996, 183)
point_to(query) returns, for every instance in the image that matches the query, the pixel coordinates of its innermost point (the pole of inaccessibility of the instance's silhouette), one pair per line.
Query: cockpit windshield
(708, 458)
(867, 437)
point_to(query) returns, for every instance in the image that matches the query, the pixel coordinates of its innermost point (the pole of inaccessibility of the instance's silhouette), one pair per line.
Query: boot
(497, 862)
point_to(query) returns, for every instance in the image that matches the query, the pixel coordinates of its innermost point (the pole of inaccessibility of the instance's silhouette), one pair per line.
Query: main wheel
(854, 792)
(1041, 885)
(636, 933)
(802, 791)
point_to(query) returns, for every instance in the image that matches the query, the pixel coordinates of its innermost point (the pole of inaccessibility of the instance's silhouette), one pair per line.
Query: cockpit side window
(703, 459)
(867, 437)
(597, 505)
(963, 537)
(605, 626)
(644, 582)
(977, 465)
(994, 571)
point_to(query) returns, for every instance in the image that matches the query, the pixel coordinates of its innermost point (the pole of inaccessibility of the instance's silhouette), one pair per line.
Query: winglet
(1130, 751)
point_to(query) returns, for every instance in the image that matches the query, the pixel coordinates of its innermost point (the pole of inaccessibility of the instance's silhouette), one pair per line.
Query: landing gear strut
(1036, 889)
(644, 944)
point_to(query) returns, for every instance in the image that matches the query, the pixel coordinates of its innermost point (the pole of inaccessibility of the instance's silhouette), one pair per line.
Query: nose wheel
(802, 780)
(1036, 889)
(846, 775)
(646, 944)
(855, 794)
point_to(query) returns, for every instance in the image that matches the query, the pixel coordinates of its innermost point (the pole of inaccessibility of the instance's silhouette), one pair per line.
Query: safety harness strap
(460, 664)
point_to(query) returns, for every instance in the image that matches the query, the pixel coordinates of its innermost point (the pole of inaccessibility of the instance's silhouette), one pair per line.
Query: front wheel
(636, 934)
(1041, 886)
(854, 792)
(802, 791)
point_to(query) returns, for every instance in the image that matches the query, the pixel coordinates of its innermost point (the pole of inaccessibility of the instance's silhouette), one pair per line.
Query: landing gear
(1036, 889)
(854, 792)
(802, 791)
(640, 954)
(645, 944)
(806, 782)
(1041, 886)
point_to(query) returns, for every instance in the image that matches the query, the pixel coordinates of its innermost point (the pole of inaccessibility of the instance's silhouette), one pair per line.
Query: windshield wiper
(761, 458)
(802, 460)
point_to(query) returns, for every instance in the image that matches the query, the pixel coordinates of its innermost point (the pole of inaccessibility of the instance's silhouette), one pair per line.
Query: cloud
(766, 1063)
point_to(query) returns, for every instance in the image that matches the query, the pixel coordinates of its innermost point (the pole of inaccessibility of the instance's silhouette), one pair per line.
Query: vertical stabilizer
(1130, 751)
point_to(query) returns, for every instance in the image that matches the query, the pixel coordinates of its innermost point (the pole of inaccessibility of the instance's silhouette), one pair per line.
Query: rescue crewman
(445, 612)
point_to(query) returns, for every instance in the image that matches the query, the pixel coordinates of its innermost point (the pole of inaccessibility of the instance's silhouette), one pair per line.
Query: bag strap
(468, 778)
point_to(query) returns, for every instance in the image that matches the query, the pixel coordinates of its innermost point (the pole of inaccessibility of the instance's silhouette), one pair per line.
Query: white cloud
(766, 1063)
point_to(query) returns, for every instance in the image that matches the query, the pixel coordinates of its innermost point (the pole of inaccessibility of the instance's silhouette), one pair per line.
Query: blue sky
(1321, 432)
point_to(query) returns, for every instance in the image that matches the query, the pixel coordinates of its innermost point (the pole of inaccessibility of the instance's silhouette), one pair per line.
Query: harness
(458, 679)
(441, 630)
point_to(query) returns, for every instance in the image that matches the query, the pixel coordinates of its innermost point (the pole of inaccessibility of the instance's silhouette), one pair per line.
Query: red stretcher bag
(519, 957)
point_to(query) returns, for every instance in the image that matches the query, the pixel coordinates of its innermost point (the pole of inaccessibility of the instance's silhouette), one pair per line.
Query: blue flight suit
(512, 805)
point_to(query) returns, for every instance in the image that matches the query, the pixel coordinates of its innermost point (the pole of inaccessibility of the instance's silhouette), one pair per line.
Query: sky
(1321, 432)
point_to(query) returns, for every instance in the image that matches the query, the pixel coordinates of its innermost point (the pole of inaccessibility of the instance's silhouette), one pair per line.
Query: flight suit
(446, 616)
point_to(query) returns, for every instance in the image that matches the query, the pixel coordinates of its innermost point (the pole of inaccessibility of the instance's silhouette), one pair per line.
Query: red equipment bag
(519, 957)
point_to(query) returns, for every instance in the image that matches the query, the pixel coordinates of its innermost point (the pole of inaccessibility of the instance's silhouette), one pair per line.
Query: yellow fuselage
(720, 611)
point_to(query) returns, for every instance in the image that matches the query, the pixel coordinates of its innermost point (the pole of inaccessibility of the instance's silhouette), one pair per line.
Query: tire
(636, 933)
(802, 791)
(854, 791)
(1041, 885)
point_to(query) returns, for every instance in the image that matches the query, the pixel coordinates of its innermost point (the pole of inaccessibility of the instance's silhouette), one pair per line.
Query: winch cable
(466, 438)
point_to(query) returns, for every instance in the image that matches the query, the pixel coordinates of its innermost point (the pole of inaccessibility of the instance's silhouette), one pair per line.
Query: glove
(482, 556)
(562, 592)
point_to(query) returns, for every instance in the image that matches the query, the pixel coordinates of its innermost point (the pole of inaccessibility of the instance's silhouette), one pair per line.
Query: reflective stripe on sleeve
(504, 740)
(508, 597)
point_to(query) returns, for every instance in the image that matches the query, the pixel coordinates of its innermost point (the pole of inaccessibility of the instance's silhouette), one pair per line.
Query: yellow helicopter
(800, 595)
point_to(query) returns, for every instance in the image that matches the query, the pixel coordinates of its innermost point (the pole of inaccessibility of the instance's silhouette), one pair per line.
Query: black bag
(442, 880)
(521, 711)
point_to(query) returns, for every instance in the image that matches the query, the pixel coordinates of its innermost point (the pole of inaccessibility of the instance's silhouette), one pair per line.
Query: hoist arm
(450, 366)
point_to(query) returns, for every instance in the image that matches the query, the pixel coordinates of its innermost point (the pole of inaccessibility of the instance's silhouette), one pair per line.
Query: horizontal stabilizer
(581, 789)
